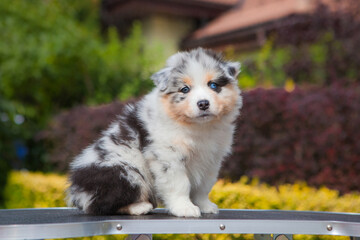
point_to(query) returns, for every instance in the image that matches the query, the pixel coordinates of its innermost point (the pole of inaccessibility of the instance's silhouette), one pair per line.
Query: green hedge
(27, 190)
(35, 190)
(52, 58)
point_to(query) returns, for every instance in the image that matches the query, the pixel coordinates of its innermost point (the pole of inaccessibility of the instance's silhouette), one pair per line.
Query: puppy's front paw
(185, 210)
(209, 207)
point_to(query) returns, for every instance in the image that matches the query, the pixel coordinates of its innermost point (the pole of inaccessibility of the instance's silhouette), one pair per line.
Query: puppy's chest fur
(200, 150)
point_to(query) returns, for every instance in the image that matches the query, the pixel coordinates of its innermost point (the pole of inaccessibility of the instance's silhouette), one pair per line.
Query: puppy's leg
(136, 208)
(200, 195)
(177, 197)
(173, 186)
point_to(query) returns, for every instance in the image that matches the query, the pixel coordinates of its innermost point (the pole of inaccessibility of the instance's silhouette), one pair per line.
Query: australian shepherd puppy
(168, 146)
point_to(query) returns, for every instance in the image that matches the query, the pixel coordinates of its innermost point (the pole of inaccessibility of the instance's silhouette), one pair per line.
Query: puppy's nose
(203, 104)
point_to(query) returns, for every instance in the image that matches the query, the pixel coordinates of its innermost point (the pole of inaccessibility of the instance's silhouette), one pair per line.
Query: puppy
(168, 146)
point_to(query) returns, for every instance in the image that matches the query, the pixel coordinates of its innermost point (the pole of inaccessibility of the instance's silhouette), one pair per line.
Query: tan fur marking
(227, 104)
(188, 81)
(124, 210)
(176, 111)
(208, 77)
(185, 147)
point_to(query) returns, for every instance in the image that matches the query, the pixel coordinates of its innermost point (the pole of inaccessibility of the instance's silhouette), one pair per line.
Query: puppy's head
(198, 86)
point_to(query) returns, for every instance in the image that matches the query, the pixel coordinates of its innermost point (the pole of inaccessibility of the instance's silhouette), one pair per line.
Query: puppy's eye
(185, 89)
(213, 85)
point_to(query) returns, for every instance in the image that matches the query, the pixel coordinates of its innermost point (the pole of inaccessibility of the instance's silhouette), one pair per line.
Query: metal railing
(264, 224)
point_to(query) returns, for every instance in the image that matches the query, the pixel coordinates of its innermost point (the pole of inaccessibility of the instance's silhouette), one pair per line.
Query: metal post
(139, 237)
(275, 237)
(263, 237)
(283, 237)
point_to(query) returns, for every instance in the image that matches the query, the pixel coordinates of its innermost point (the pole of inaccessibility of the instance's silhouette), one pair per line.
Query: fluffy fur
(168, 146)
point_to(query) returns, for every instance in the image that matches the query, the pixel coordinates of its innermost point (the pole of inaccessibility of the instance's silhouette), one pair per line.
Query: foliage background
(305, 134)
(53, 57)
(60, 78)
(317, 49)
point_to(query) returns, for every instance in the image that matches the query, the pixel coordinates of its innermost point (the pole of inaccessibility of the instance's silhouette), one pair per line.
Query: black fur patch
(177, 98)
(137, 125)
(131, 128)
(110, 191)
(75, 202)
(100, 150)
(125, 133)
(222, 81)
(217, 56)
(115, 138)
(118, 140)
(165, 167)
(180, 67)
(172, 92)
(161, 78)
(175, 84)
(232, 71)
(133, 169)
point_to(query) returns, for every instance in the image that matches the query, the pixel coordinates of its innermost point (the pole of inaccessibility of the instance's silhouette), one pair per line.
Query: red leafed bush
(324, 43)
(307, 135)
(311, 135)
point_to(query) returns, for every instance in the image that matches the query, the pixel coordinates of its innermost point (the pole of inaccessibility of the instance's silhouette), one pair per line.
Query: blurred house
(165, 22)
(182, 24)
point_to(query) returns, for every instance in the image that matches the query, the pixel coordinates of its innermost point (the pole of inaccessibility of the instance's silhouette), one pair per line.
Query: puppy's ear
(161, 78)
(233, 68)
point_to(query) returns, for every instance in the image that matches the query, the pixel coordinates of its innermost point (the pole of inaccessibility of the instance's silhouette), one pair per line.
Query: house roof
(234, 21)
(252, 12)
(223, 2)
(188, 8)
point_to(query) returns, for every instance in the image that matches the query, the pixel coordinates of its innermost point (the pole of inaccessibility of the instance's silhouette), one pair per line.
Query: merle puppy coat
(168, 146)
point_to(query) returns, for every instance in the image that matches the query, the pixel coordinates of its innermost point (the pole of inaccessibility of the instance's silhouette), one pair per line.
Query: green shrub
(52, 57)
(253, 195)
(28, 190)
(35, 190)
(50, 61)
